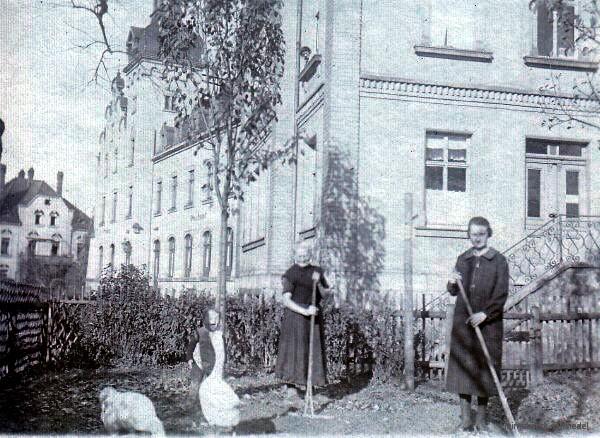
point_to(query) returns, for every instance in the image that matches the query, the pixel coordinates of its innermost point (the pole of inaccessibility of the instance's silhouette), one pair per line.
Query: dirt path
(67, 403)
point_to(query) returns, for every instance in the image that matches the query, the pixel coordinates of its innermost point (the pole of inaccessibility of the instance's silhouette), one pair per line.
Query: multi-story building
(39, 226)
(437, 99)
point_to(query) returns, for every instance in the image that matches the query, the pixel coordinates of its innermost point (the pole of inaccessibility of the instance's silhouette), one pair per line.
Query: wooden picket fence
(555, 335)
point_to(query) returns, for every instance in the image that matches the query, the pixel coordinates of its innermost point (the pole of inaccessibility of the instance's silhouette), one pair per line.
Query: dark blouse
(297, 280)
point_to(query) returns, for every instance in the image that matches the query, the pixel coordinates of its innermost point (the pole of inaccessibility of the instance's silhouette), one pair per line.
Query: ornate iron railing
(562, 239)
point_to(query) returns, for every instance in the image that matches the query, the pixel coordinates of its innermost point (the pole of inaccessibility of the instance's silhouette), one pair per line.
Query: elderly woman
(292, 359)
(484, 273)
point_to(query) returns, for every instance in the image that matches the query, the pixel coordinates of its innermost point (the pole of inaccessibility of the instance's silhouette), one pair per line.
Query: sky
(52, 111)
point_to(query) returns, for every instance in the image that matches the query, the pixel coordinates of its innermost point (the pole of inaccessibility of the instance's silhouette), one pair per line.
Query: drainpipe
(296, 105)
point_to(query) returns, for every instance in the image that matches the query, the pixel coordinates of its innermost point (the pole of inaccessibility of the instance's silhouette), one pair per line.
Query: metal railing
(561, 239)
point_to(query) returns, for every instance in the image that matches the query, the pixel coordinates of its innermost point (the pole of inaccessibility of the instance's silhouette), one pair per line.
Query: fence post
(536, 358)
(409, 351)
(449, 320)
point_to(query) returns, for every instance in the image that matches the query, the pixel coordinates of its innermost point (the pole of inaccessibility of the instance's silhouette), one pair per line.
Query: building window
(112, 257)
(127, 251)
(190, 200)
(80, 247)
(3, 271)
(171, 257)
(105, 165)
(38, 217)
(129, 202)
(100, 260)
(31, 245)
(556, 30)
(103, 211)
(173, 193)
(446, 178)
(229, 254)
(53, 217)
(208, 183)
(116, 161)
(158, 197)
(207, 244)
(156, 260)
(556, 179)
(114, 207)
(453, 24)
(187, 272)
(169, 102)
(5, 243)
(55, 247)
(132, 148)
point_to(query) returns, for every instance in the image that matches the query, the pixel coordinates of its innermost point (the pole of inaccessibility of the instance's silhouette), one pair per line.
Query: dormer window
(53, 217)
(38, 217)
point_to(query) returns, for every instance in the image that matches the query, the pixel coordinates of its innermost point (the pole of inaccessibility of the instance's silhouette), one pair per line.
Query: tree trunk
(222, 274)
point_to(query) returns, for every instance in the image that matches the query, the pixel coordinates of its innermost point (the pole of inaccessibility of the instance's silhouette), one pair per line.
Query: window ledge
(310, 68)
(157, 213)
(308, 233)
(442, 231)
(188, 206)
(207, 201)
(253, 245)
(560, 63)
(452, 53)
(172, 209)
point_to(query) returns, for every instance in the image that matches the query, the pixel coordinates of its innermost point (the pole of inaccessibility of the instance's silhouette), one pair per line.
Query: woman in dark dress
(484, 274)
(292, 358)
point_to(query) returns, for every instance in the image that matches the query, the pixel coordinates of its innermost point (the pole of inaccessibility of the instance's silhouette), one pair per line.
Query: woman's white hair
(306, 245)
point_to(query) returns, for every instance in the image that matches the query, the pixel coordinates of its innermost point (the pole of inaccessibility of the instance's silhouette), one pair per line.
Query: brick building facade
(437, 99)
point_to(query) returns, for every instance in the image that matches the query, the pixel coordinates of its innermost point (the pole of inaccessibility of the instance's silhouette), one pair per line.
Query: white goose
(220, 404)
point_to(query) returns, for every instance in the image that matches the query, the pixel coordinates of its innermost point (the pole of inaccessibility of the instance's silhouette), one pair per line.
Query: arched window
(112, 257)
(55, 248)
(100, 260)
(4, 271)
(132, 147)
(38, 217)
(207, 244)
(53, 217)
(171, 256)
(156, 260)
(229, 253)
(5, 246)
(187, 272)
(127, 251)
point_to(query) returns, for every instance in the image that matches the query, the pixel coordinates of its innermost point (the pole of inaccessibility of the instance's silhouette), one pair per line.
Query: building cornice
(373, 85)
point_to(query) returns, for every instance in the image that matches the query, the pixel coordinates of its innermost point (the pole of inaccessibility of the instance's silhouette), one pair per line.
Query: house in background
(44, 236)
(437, 99)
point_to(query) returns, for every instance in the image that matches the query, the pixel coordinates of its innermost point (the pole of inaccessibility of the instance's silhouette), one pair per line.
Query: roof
(18, 191)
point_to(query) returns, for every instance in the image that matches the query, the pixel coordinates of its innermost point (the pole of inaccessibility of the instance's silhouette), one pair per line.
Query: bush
(131, 324)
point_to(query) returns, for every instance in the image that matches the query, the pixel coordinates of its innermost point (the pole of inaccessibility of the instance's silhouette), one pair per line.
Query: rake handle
(308, 402)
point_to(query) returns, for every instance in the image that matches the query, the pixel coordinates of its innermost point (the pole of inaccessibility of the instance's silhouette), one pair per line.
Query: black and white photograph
(300, 218)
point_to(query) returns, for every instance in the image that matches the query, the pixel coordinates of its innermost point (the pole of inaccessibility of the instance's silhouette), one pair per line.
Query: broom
(486, 353)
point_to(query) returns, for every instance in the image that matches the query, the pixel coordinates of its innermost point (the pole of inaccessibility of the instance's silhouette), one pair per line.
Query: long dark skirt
(468, 371)
(292, 358)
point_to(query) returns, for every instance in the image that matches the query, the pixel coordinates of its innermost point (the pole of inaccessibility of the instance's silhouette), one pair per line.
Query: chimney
(30, 175)
(21, 174)
(2, 176)
(59, 183)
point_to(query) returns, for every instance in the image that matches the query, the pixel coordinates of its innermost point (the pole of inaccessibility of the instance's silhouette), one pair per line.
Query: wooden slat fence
(555, 335)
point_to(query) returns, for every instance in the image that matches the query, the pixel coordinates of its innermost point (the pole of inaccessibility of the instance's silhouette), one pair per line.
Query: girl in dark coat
(484, 274)
(292, 357)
